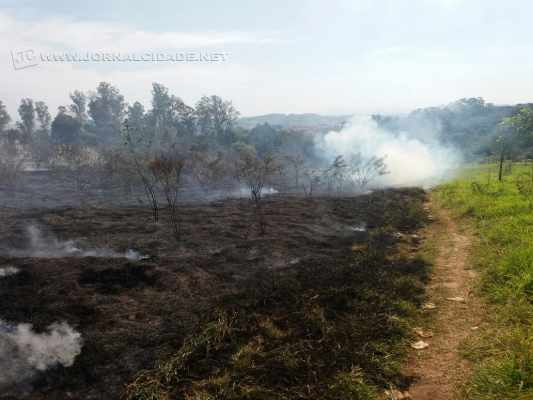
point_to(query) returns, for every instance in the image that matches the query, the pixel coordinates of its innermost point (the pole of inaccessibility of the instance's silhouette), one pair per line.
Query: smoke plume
(41, 246)
(24, 353)
(8, 271)
(410, 159)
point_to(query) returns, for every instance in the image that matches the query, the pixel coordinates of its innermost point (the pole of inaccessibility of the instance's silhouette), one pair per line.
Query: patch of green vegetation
(331, 328)
(503, 219)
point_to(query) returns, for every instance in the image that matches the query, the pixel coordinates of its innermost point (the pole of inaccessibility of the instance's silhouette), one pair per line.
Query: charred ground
(315, 308)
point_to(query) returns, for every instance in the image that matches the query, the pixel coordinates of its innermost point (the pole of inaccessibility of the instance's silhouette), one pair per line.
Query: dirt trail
(439, 369)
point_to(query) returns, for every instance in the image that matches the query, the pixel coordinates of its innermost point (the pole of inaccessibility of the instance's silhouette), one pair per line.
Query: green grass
(502, 216)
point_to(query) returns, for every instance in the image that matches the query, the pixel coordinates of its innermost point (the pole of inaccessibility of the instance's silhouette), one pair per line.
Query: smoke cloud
(41, 246)
(8, 271)
(24, 353)
(410, 159)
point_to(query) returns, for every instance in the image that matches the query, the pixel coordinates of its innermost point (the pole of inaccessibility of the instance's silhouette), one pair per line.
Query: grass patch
(502, 216)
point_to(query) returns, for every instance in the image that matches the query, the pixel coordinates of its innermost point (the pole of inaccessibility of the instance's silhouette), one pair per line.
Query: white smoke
(41, 246)
(24, 353)
(8, 271)
(410, 160)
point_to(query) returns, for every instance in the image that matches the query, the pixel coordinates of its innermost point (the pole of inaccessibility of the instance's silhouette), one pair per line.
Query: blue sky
(346, 56)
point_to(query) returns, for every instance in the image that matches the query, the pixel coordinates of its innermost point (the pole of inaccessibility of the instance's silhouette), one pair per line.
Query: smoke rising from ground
(410, 160)
(8, 271)
(41, 246)
(24, 353)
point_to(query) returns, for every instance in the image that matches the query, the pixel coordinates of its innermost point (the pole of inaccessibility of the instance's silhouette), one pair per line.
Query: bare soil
(440, 369)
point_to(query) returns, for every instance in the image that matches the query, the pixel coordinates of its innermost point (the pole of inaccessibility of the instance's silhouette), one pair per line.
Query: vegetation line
(501, 212)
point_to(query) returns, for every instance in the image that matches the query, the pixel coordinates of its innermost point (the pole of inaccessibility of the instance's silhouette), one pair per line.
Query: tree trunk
(500, 171)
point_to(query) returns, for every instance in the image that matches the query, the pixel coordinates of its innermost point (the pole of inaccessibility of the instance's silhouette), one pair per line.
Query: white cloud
(66, 34)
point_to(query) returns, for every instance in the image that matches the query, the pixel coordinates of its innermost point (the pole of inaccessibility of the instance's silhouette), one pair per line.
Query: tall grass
(502, 214)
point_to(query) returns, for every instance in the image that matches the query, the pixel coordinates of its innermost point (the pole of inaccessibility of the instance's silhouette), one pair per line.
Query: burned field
(317, 307)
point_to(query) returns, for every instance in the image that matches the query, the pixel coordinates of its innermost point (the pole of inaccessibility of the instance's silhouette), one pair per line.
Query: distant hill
(295, 121)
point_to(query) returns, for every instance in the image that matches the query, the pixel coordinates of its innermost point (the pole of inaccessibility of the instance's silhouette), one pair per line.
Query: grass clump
(503, 219)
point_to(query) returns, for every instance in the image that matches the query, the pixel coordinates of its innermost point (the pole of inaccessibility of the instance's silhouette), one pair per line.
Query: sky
(328, 57)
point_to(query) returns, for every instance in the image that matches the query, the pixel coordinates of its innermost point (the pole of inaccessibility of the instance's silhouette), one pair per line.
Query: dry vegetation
(312, 307)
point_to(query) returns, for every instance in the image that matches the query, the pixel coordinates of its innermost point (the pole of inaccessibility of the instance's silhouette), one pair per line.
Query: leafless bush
(335, 175)
(167, 170)
(138, 146)
(256, 172)
(362, 170)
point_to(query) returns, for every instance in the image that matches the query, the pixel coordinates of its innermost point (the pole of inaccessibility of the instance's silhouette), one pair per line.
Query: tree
(265, 138)
(79, 106)
(167, 169)
(216, 117)
(296, 161)
(134, 141)
(106, 109)
(363, 170)
(78, 163)
(27, 119)
(41, 144)
(170, 116)
(256, 172)
(65, 128)
(161, 110)
(335, 174)
(43, 115)
(312, 178)
(184, 118)
(4, 117)
(136, 116)
(209, 169)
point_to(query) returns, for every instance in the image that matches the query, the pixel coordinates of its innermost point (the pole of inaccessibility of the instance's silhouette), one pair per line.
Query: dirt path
(439, 369)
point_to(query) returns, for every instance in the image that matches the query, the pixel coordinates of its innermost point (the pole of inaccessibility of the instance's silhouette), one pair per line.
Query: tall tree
(43, 115)
(27, 119)
(106, 108)
(79, 105)
(216, 116)
(40, 148)
(139, 130)
(184, 118)
(170, 116)
(65, 128)
(136, 116)
(4, 117)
